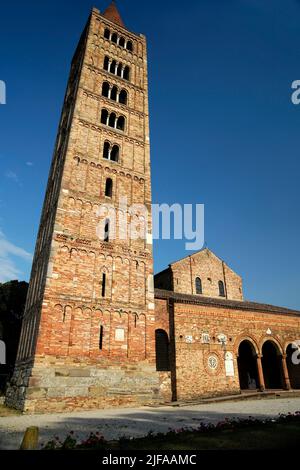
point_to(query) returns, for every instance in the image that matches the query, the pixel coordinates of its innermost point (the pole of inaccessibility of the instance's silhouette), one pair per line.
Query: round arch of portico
(274, 340)
(245, 337)
(288, 342)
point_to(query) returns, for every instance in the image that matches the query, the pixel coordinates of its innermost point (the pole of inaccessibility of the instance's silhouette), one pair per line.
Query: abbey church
(100, 330)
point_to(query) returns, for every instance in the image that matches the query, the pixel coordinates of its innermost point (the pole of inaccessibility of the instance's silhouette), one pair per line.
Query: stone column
(109, 92)
(122, 72)
(261, 380)
(286, 377)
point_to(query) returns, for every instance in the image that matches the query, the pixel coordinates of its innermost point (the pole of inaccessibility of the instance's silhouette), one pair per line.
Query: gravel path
(137, 422)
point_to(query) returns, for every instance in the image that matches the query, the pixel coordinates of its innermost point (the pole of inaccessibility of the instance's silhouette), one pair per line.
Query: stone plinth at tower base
(62, 384)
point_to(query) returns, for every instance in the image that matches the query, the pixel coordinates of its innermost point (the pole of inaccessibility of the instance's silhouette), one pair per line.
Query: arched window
(114, 38)
(162, 351)
(123, 97)
(122, 42)
(106, 150)
(221, 289)
(105, 89)
(121, 123)
(106, 63)
(113, 67)
(113, 94)
(198, 285)
(108, 187)
(106, 33)
(119, 70)
(114, 155)
(126, 73)
(104, 116)
(103, 285)
(129, 46)
(112, 120)
(101, 332)
(106, 230)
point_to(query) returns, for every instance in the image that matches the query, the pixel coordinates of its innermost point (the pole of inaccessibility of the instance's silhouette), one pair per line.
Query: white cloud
(8, 268)
(29, 163)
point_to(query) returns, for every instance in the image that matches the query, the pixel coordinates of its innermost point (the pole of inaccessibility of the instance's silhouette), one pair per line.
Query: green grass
(266, 436)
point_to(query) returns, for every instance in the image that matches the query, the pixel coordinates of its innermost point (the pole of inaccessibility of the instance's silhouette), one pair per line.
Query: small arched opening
(108, 187)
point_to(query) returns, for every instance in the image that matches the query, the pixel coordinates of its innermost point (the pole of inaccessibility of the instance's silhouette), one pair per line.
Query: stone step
(268, 394)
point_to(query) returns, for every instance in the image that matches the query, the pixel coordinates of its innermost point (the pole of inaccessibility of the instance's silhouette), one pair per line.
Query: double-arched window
(111, 152)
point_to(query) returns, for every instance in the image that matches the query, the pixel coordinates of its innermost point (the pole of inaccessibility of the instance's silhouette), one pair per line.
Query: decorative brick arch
(246, 337)
(287, 343)
(273, 339)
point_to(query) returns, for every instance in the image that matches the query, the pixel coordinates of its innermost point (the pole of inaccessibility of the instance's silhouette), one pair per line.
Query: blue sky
(223, 129)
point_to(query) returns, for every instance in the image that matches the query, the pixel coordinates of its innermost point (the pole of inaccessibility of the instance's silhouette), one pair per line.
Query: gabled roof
(112, 14)
(204, 250)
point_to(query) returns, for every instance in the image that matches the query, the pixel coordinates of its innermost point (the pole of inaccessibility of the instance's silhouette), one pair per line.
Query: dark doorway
(292, 357)
(162, 351)
(272, 366)
(247, 366)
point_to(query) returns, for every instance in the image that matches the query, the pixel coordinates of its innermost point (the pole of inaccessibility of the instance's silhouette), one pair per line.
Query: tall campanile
(88, 336)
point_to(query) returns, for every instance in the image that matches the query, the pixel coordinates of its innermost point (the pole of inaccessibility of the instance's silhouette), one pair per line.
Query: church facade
(96, 333)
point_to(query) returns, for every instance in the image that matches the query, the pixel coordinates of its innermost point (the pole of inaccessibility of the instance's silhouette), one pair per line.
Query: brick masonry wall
(211, 270)
(65, 327)
(194, 377)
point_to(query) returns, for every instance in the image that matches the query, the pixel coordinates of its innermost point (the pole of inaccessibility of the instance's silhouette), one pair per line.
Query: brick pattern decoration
(61, 364)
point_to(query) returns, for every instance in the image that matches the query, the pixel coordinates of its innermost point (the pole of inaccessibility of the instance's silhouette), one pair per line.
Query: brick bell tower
(88, 335)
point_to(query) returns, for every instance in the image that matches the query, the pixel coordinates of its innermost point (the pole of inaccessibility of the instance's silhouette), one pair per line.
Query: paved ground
(137, 422)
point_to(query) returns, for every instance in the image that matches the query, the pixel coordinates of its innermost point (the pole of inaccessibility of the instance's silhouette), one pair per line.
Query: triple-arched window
(112, 92)
(119, 40)
(112, 120)
(116, 68)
